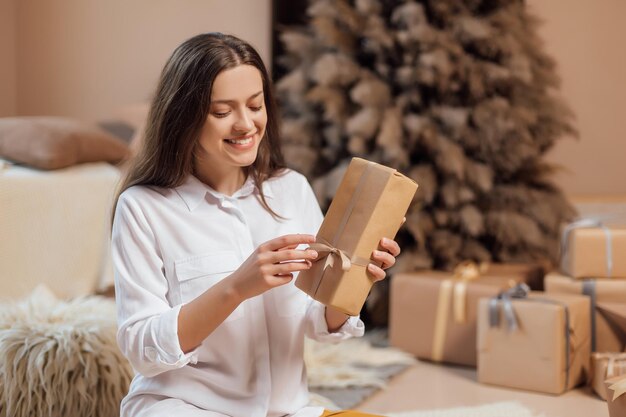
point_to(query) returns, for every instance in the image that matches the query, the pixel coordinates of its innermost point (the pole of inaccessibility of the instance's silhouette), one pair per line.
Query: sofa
(54, 228)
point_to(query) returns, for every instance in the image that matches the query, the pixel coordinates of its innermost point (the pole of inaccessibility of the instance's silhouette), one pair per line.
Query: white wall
(88, 58)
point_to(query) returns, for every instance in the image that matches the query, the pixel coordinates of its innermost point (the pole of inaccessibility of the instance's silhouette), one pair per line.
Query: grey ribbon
(353, 200)
(587, 223)
(521, 291)
(589, 289)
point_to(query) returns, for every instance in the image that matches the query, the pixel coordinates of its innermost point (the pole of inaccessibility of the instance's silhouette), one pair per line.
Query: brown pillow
(56, 142)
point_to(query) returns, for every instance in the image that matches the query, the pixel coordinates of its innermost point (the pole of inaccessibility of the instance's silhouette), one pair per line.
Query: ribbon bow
(325, 250)
(519, 291)
(469, 270)
(618, 388)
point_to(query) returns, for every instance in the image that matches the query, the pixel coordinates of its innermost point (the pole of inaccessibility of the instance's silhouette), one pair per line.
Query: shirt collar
(193, 191)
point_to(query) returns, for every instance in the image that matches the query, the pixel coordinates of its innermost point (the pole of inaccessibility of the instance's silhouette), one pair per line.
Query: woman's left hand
(385, 256)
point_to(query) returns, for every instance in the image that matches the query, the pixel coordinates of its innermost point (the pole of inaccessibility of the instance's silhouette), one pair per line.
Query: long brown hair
(180, 107)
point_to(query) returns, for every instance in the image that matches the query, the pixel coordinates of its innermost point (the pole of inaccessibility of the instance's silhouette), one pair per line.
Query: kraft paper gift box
(591, 249)
(370, 203)
(616, 389)
(605, 366)
(615, 314)
(606, 335)
(529, 273)
(433, 313)
(534, 341)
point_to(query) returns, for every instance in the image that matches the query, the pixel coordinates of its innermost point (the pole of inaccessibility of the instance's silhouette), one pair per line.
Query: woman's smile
(242, 143)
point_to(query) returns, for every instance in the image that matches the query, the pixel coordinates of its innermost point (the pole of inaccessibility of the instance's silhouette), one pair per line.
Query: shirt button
(151, 353)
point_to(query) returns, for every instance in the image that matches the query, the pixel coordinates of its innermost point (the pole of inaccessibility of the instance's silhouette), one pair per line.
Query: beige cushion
(55, 142)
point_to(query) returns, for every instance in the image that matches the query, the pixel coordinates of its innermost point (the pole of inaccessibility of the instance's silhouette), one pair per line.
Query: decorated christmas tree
(458, 95)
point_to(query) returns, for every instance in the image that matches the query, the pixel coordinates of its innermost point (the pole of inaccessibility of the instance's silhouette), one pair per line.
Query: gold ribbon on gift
(463, 273)
(618, 388)
(453, 290)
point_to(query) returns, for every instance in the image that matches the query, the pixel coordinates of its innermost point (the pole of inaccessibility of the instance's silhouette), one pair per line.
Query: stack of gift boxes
(494, 317)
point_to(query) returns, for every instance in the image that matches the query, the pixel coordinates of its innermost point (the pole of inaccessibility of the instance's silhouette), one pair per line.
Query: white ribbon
(588, 223)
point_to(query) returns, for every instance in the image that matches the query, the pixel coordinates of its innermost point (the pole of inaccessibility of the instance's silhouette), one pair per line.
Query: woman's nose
(244, 122)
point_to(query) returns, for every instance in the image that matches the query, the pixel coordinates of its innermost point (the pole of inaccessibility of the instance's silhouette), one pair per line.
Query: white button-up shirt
(168, 247)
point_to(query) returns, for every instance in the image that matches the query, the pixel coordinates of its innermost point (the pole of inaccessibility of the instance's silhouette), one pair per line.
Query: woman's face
(236, 121)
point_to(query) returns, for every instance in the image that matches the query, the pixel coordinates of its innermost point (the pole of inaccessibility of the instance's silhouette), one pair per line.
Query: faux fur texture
(60, 358)
(351, 363)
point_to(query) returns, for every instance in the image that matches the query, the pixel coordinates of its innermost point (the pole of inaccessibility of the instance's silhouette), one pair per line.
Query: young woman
(206, 240)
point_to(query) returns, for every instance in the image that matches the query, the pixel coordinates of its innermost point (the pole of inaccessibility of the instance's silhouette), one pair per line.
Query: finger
(390, 246)
(289, 267)
(375, 272)
(280, 279)
(385, 259)
(288, 240)
(291, 255)
(295, 245)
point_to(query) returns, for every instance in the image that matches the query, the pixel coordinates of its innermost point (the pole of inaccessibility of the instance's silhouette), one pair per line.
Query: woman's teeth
(239, 141)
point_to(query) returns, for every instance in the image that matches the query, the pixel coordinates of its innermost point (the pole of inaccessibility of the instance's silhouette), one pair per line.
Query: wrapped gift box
(591, 249)
(606, 334)
(605, 366)
(534, 341)
(433, 313)
(370, 204)
(616, 400)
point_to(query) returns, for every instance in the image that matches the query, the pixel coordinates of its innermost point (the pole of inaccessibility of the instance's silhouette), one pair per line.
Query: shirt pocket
(198, 274)
(289, 300)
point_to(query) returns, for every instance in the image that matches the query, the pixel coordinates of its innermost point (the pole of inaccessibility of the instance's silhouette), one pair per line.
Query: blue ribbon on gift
(589, 289)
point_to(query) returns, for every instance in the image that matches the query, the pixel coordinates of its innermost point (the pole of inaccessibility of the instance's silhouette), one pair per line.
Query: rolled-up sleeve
(147, 323)
(317, 328)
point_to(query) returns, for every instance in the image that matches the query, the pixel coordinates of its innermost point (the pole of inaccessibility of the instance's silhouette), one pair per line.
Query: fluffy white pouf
(60, 358)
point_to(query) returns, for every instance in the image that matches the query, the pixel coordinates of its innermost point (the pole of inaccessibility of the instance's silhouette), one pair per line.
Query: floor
(429, 386)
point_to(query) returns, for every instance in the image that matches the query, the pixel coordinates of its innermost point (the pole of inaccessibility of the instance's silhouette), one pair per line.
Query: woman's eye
(253, 108)
(221, 114)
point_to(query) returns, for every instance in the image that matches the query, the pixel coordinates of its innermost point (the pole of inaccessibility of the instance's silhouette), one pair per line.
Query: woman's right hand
(272, 264)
